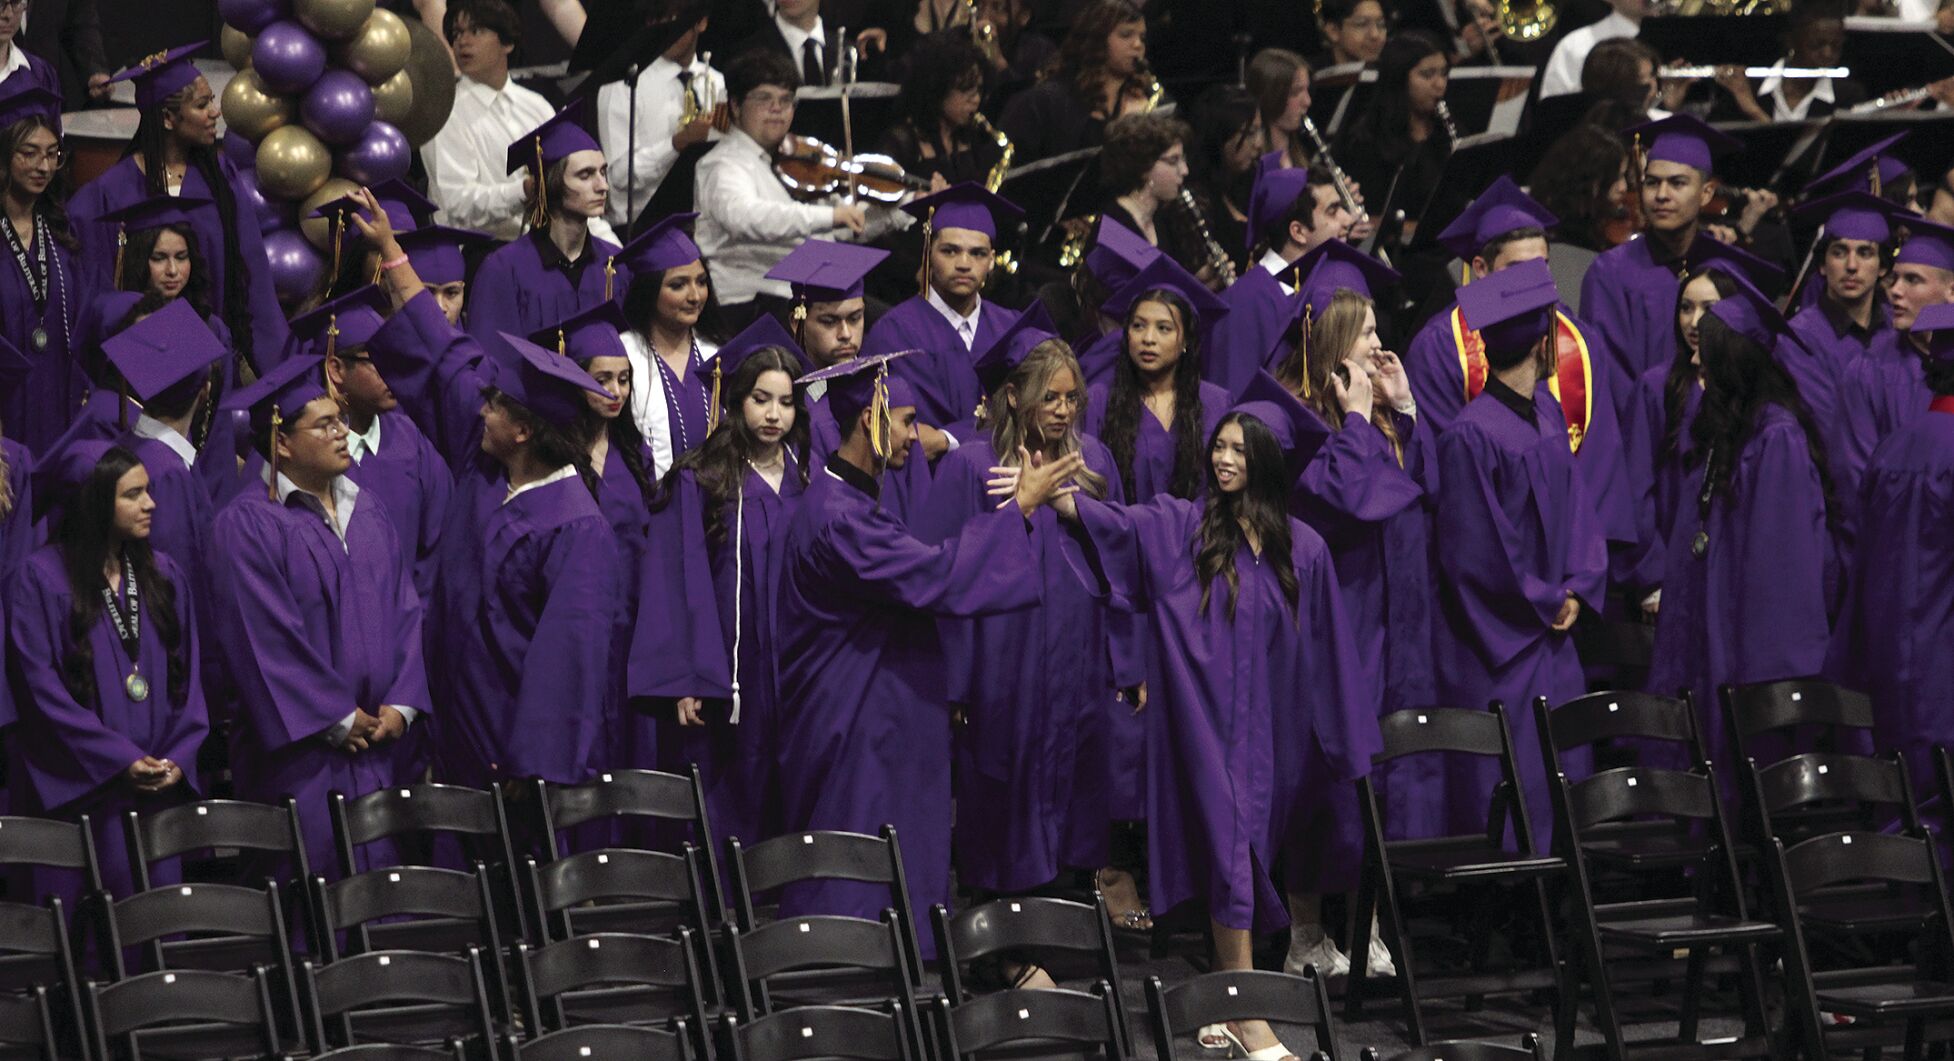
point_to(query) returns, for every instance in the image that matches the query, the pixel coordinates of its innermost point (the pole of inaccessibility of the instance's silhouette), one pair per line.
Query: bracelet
(395, 264)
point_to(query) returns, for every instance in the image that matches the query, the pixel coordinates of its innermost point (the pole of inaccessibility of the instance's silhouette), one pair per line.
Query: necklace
(40, 272)
(1699, 546)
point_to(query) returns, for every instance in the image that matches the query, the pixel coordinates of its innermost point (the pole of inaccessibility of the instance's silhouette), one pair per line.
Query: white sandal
(1236, 1048)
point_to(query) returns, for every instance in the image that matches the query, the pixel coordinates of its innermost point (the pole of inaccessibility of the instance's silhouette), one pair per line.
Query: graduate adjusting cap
(591, 333)
(862, 383)
(1299, 431)
(1750, 314)
(664, 245)
(1165, 272)
(1513, 308)
(1731, 261)
(437, 252)
(541, 380)
(966, 206)
(1867, 169)
(20, 99)
(1118, 254)
(163, 349)
(764, 333)
(1927, 243)
(407, 209)
(160, 75)
(344, 323)
(1850, 215)
(1275, 192)
(1937, 323)
(1033, 327)
(822, 270)
(1502, 208)
(1334, 265)
(1685, 139)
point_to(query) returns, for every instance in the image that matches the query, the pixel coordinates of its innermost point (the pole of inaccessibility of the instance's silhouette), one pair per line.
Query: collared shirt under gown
(947, 391)
(36, 411)
(314, 626)
(1248, 713)
(1035, 688)
(525, 285)
(526, 589)
(1515, 535)
(865, 723)
(413, 484)
(1894, 635)
(71, 756)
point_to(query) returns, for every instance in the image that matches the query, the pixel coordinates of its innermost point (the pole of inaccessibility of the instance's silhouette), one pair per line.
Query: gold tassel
(929, 225)
(799, 317)
(332, 347)
(610, 275)
(878, 421)
(539, 214)
(712, 408)
(1302, 341)
(121, 244)
(562, 344)
(272, 450)
(338, 236)
(379, 270)
(1872, 177)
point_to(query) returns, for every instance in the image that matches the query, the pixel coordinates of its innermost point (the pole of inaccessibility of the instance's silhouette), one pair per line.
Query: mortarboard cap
(591, 333)
(1275, 192)
(1732, 261)
(664, 245)
(156, 212)
(1850, 215)
(160, 75)
(436, 252)
(1750, 314)
(1937, 323)
(407, 209)
(1856, 170)
(966, 206)
(21, 98)
(995, 365)
(902, 394)
(1513, 308)
(853, 386)
(822, 270)
(1117, 253)
(1502, 208)
(1334, 265)
(349, 321)
(1684, 139)
(1927, 243)
(1300, 431)
(541, 380)
(289, 387)
(561, 135)
(1166, 272)
(765, 331)
(163, 349)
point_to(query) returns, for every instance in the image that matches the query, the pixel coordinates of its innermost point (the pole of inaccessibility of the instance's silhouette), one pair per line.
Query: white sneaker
(1378, 961)
(1312, 947)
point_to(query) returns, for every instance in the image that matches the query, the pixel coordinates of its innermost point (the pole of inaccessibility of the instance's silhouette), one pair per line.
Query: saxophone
(995, 178)
(1218, 260)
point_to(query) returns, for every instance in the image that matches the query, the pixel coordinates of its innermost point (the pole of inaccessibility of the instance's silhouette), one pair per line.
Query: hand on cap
(374, 225)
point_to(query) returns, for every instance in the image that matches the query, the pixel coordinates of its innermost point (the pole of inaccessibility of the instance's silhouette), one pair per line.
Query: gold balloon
(318, 230)
(393, 99)
(236, 45)
(333, 20)
(433, 73)
(379, 50)
(292, 163)
(253, 112)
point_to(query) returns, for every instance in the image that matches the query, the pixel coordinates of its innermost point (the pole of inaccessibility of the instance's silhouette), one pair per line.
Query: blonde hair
(1324, 346)
(1012, 428)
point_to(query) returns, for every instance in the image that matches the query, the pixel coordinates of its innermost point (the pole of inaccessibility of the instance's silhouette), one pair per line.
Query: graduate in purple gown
(1291, 212)
(41, 290)
(317, 615)
(1115, 255)
(1898, 619)
(1032, 688)
(557, 268)
(33, 70)
(17, 533)
(950, 322)
(1520, 551)
(703, 659)
(174, 153)
(439, 255)
(1629, 293)
(864, 737)
(1261, 719)
(674, 335)
(109, 722)
(1847, 313)
(1751, 570)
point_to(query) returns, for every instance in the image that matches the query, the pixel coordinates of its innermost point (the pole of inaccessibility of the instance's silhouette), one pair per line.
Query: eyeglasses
(330, 428)
(1366, 25)
(28, 155)
(773, 101)
(13, 3)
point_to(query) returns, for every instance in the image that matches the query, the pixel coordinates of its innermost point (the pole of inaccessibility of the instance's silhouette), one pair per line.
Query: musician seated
(1815, 38)
(748, 220)
(676, 84)
(1582, 181)
(1016, 52)
(1099, 74)
(937, 133)
(1278, 80)
(1619, 77)
(1354, 31)
(1142, 170)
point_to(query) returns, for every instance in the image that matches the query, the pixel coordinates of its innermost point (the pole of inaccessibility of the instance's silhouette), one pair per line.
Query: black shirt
(854, 476)
(1522, 406)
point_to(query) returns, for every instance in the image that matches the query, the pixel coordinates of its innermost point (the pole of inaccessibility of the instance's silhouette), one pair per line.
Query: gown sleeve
(430, 365)
(979, 573)
(1355, 477)
(677, 645)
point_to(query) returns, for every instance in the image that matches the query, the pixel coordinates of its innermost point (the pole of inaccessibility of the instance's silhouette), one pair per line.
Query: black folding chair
(1838, 721)
(419, 818)
(1059, 936)
(1279, 998)
(268, 834)
(642, 797)
(391, 1052)
(808, 856)
(188, 1014)
(27, 1026)
(603, 1042)
(623, 890)
(1023, 1023)
(1861, 793)
(1528, 1050)
(410, 998)
(406, 908)
(1448, 864)
(614, 978)
(37, 955)
(808, 1032)
(820, 960)
(1603, 720)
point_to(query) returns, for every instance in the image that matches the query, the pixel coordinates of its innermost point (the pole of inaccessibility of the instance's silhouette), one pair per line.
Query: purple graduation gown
(1258, 721)
(684, 642)
(865, 722)
(1034, 688)
(688, 400)
(516, 291)
(39, 409)
(1754, 607)
(947, 391)
(313, 627)
(1258, 311)
(1375, 515)
(38, 72)
(1660, 481)
(1515, 534)
(123, 184)
(1631, 298)
(1878, 395)
(1898, 621)
(71, 756)
(1834, 334)
(625, 510)
(1153, 448)
(413, 483)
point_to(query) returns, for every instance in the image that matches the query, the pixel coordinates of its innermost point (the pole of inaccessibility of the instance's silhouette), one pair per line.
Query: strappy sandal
(1273, 1052)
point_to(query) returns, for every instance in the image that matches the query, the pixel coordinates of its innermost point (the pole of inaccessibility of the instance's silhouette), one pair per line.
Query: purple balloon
(287, 57)
(295, 266)
(243, 153)
(338, 107)
(381, 155)
(251, 16)
(272, 214)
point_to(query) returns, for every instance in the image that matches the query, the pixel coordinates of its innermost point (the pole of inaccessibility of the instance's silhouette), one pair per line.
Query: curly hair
(1081, 58)
(1573, 179)
(1133, 144)
(939, 64)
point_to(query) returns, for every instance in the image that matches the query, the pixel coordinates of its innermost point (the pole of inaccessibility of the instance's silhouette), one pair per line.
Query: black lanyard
(32, 266)
(127, 630)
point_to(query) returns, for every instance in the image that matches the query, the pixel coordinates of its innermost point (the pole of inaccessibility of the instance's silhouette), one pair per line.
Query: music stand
(1714, 40)
(1886, 54)
(1051, 191)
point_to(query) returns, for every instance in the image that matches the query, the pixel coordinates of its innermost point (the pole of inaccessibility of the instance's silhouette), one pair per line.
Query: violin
(812, 169)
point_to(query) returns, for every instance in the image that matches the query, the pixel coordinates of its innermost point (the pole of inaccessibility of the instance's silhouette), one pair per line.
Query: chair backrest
(662, 973)
(27, 1022)
(1239, 995)
(832, 952)
(807, 1032)
(824, 855)
(1528, 1050)
(623, 890)
(1421, 730)
(398, 996)
(405, 908)
(1615, 714)
(644, 794)
(35, 949)
(219, 927)
(50, 843)
(427, 810)
(587, 1041)
(1629, 792)
(1057, 934)
(216, 823)
(1878, 785)
(393, 1052)
(1761, 707)
(1904, 863)
(159, 1005)
(1048, 1017)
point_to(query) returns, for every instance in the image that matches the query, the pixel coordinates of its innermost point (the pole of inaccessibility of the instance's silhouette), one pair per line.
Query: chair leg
(1750, 984)
(1358, 983)
(1693, 995)
(1398, 936)
(1550, 951)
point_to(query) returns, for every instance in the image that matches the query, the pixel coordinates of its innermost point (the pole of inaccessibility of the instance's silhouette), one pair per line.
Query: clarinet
(1445, 118)
(1337, 176)
(1224, 267)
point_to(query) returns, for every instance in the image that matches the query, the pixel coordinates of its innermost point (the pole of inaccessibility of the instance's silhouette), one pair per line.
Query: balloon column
(322, 89)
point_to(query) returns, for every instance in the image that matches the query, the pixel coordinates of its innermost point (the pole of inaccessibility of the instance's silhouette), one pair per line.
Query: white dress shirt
(648, 406)
(468, 160)
(1773, 90)
(797, 38)
(1278, 267)
(964, 326)
(149, 427)
(1563, 73)
(556, 476)
(361, 445)
(661, 100)
(16, 59)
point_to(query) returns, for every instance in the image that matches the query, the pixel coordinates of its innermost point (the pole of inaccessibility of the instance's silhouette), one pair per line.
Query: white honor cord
(739, 575)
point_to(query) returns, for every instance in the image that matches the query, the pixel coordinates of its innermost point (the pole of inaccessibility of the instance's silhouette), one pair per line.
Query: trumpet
(1794, 73)
(700, 104)
(982, 33)
(1526, 20)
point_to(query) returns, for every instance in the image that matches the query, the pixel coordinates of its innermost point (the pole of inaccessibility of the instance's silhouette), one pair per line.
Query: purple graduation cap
(163, 349)
(965, 206)
(1502, 208)
(1299, 431)
(437, 252)
(1927, 243)
(156, 211)
(665, 245)
(407, 209)
(1682, 138)
(21, 98)
(541, 380)
(995, 365)
(1335, 265)
(1275, 192)
(1937, 323)
(591, 333)
(863, 383)
(1165, 272)
(1850, 215)
(1513, 308)
(1868, 169)
(822, 270)
(162, 74)
(277, 396)
(765, 332)
(345, 323)
(1731, 261)
(561, 135)
(1750, 314)
(1118, 254)
(72, 467)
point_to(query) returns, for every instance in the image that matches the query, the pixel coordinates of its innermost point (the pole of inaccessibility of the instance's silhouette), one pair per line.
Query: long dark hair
(938, 64)
(552, 445)
(135, 266)
(1740, 378)
(627, 443)
(641, 302)
(148, 143)
(1263, 504)
(719, 463)
(49, 204)
(1120, 431)
(1081, 58)
(1681, 380)
(85, 541)
(1386, 123)
(1573, 180)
